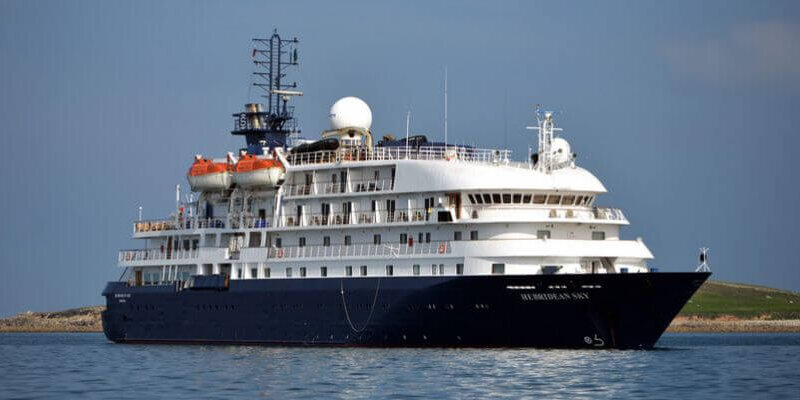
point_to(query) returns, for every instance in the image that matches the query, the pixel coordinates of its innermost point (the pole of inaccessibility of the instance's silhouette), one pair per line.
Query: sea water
(684, 366)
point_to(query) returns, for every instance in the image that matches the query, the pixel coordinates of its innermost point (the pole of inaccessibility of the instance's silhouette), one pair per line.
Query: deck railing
(360, 250)
(594, 213)
(372, 185)
(362, 153)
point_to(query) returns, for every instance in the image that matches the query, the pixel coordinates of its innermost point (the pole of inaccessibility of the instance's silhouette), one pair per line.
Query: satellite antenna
(703, 266)
(546, 127)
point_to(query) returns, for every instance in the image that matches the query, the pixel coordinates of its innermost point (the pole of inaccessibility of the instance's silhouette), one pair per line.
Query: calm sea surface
(685, 366)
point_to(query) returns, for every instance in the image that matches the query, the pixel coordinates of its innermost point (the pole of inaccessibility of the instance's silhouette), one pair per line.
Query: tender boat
(206, 175)
(252, 171)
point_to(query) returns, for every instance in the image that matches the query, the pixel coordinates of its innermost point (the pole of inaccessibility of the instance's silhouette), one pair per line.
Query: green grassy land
(716, 298)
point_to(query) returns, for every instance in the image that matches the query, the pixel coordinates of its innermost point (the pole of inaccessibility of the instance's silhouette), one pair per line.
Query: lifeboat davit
(207, 175)
(255, 172)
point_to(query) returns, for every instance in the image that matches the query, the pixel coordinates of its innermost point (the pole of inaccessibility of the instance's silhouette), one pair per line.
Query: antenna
(408, 127)
(703, 266)
(445, 106)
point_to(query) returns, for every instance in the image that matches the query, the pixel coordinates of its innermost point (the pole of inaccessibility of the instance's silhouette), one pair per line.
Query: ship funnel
(252, 110)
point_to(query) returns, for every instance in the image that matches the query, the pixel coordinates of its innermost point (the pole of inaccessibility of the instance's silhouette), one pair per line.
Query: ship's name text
(554, 296)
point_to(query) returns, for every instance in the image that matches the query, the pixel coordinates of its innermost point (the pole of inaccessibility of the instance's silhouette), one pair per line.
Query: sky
(687, 111)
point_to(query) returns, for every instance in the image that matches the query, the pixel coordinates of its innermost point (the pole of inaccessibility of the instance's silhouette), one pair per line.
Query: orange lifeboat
(206, 175)
(255, 172)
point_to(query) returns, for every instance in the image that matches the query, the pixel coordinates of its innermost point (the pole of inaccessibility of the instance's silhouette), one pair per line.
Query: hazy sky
(687, 111)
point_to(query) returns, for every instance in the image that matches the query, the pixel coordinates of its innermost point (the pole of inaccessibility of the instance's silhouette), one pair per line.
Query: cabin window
(403, 238)
(303, 272)
(554, 199)
(374, 205)
(496, 198)
(301, 242)
(254, 273)
(376, 239)
(433, 269)
(598, 235)
(526, 199)
(323, 271)
(459, 269)
(289, 272)
(457, 235)
(239, 273)
(498, 269)
(473, 235)
(427, 237)
(567, 200)
(420, 238)
(267, 273)
(326, 240)
(347, 240)
(539, 198)
(487, 198)
(543, 234)
(415, 269)
(348, 270)
(389, 270)
(278, 242)
(377, 175)
(363, 270)
(441, 269)
(517, 198)
(255, 239)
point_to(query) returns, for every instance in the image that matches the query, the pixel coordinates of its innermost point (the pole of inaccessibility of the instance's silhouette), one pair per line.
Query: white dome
(561, 150)
(349, 112)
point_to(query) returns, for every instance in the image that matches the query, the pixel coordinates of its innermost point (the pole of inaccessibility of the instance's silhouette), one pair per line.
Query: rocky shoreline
(87, 319)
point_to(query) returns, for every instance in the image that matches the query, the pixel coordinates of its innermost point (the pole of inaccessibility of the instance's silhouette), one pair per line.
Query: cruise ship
(356, 240)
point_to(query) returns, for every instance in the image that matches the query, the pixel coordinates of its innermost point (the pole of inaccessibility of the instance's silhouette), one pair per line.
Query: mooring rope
(371, 310)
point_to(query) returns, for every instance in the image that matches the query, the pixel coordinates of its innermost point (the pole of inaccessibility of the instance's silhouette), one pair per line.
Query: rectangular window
(289, 272)
(326, 240)
(239, 273)
(517, 198)
(433, 269)
(303, 272)
(377, 175)
(554, 199)
(459, 269)
(478, 199)
(567, 200)
(496, 198)
(420, 238)
(579, 201)
(323, 271)
(347, 240)
(543, 234)
(473, 235)
(457, 235)
(487, 198)
(471, 199)
(348, 270)
(376, 239)
(427, 237)
(267, 273)
(498, 269)
(506, 198)
(301, 242)
(389, 270)
(598, 235)
(441, 269)
(550, 269)
(363, 270)
(254, 273)
(526, 199)
(415, 269)
(539, 198)
(403, 238)
(278, 242)
(374, 205)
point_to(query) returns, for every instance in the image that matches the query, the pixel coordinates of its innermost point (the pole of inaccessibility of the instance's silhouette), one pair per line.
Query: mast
(270, 123)
(546, 126)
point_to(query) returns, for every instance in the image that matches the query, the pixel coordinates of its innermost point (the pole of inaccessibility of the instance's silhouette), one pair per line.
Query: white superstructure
(394, 210)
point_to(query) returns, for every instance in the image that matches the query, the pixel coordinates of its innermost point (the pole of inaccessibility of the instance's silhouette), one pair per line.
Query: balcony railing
(362, 153)
(374, 185)
(359, 250)
(126, 256)
(592, 214)
(357, 217)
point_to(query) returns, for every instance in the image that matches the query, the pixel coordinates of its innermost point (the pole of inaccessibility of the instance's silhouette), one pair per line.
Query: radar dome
(350, 112)
(561, 150)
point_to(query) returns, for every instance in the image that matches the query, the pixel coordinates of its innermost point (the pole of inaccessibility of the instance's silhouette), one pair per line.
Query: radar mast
(272, 123)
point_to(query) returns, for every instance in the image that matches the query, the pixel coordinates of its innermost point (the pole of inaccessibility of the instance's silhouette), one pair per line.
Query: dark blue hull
(573, 311)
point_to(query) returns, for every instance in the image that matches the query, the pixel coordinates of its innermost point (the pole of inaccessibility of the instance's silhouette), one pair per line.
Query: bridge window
(517, 198)
(539, 198)
(554, 199)
(471, 199)
(579, 201)
(526, 199)
(498, 269)
(487, 198)
(496, 198)
(506, 198)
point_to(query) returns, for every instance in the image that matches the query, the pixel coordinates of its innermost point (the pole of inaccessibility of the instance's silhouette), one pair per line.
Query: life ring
(280, 253)
(442, 248)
